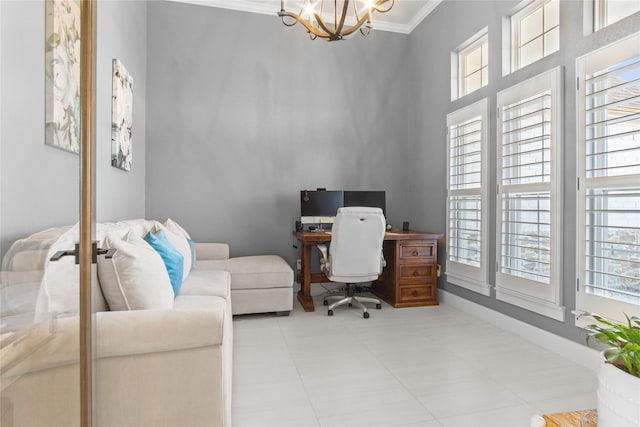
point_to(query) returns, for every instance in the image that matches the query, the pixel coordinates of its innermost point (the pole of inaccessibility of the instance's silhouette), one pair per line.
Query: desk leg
(304, 294)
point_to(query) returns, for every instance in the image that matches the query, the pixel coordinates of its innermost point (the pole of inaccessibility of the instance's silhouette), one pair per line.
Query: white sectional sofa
(163, 358)
(259, 284)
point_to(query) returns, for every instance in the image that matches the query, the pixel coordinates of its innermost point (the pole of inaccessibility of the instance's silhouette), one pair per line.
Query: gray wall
(122, 34)
(430, 46)
(39, 184)
(243, 113)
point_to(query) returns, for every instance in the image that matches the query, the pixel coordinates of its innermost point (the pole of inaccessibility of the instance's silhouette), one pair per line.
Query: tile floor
(427, 366)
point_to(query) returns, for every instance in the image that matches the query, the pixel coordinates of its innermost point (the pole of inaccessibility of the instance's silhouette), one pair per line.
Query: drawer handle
(415, 273)
(415, 252)
(414, 293)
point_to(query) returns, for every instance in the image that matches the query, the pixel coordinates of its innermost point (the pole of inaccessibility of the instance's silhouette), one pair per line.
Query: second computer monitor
(372, 199)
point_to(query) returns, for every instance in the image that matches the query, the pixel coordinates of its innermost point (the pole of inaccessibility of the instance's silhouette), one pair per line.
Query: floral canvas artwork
(62, 74)
(121, 117)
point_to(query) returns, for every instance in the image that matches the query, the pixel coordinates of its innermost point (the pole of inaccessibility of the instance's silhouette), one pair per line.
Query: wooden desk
(408, 280)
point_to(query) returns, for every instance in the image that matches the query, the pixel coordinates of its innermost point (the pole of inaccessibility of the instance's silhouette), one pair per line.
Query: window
(473, 64)
(606, 12)
(535, 32)
(528, 205)
(470, 65)
(608, 135)
(467, 197)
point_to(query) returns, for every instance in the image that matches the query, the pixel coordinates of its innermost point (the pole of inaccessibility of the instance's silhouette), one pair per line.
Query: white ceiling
(402, 18)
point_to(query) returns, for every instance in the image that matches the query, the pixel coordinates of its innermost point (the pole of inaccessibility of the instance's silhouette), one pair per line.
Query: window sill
(469, 283)
(530, 303)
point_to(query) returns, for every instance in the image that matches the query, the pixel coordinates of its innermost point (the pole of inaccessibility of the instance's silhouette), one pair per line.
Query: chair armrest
(205, 251)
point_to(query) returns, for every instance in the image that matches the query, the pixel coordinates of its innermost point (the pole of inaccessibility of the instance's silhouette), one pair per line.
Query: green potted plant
(619, 373)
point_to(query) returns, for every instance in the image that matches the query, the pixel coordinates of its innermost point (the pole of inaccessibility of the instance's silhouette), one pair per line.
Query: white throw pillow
(136, 277)
(176, 228)
(180, 242)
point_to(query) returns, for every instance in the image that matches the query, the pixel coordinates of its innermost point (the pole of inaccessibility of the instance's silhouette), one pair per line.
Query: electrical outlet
(298, 264)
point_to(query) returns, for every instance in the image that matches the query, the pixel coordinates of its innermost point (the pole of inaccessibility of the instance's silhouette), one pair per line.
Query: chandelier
(313, 17)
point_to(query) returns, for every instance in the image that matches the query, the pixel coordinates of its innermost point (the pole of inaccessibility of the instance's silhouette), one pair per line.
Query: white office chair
(355, 254)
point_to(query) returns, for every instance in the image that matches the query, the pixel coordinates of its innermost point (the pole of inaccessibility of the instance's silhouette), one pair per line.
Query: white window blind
(465, 210)
(465, 154)
(613, 243)
(612, 107)
(466, 205)
(609, 170)
(526, 236)
(465, 226)
(526, 161)
(529, 148)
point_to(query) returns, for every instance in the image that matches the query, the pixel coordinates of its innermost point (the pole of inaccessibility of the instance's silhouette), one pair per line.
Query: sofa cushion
(135, 278)
(173, 226)
(173, 259)
(253, 272)
(211, 251)
(207, 282)
(176, 228)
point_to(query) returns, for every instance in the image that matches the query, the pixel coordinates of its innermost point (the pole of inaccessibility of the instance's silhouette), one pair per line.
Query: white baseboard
(580, 354)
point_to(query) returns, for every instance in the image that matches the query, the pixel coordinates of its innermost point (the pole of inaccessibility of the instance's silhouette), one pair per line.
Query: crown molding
(421, 15)
(265, 8)
(391, 27)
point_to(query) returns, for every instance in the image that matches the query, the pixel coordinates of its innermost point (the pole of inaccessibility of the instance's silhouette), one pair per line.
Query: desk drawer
(418, 274)
(417, 293)
(417, 250)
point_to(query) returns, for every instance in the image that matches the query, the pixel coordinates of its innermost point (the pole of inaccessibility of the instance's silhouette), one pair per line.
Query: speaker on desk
(298, 225)
(405, 226)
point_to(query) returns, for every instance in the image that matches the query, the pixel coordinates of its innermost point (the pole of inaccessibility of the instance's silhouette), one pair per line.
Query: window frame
(612, 54)
(457, 63)
(460, 274)
(545, 299)
(511, 33)
(599, 15)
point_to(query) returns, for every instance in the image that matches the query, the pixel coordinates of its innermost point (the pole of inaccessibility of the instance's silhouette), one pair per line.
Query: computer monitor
(319, 206)
(372, 199)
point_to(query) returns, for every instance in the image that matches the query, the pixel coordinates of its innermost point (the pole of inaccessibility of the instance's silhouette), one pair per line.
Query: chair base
(351, 299)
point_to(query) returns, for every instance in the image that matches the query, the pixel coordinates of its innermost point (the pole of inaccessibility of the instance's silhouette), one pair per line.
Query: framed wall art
(62, 74)
(121, 117)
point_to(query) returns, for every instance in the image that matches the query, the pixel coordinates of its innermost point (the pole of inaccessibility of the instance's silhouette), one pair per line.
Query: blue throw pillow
(173, 260)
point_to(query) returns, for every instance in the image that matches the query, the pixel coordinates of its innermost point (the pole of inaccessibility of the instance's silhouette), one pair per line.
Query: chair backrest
(356, 242)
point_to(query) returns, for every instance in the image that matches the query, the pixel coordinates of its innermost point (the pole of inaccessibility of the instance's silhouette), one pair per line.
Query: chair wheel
(325, 302)
(378, 306)
(350, 305)
(365, 315)
(329, 312)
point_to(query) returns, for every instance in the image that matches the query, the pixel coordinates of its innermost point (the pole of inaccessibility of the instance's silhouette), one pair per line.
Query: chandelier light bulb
(309, 10)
